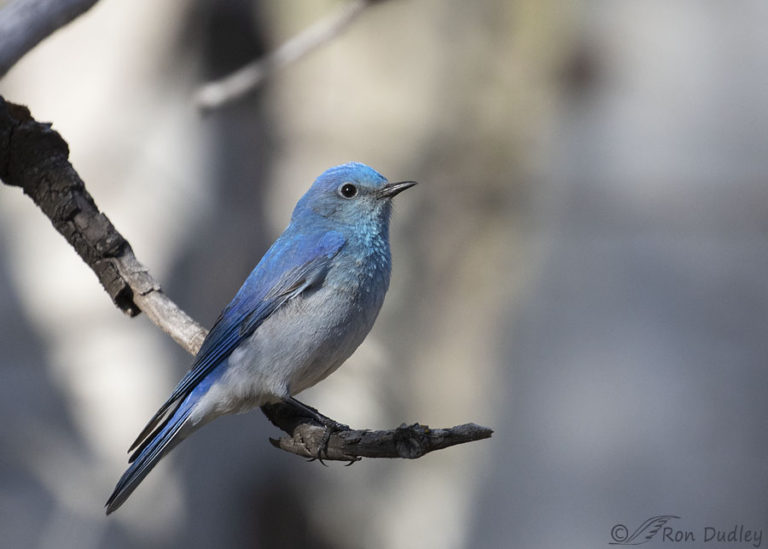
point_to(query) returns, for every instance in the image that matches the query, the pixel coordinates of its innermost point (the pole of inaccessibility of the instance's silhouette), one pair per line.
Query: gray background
(583, 268)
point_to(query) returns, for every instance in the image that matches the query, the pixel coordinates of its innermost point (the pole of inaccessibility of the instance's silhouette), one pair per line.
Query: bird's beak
(391, 189)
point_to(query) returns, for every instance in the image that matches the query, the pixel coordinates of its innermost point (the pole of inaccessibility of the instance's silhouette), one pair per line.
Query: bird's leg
(331, 425)
(311, 412)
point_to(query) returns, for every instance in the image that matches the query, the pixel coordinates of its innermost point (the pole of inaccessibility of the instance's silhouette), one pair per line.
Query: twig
(24, 23)
(217, 93)
(35, 157)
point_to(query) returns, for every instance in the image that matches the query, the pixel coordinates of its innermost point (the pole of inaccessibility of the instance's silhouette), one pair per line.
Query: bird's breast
(307, 338)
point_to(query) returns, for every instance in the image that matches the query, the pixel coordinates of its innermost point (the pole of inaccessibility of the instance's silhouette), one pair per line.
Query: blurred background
(583, 269)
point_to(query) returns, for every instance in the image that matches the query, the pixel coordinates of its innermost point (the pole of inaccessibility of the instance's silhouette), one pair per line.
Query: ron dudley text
(738, 534)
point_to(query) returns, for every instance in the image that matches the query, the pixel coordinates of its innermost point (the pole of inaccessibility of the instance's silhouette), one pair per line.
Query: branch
(218, 93)
(24, 23)
(307, 437)
(35, 157)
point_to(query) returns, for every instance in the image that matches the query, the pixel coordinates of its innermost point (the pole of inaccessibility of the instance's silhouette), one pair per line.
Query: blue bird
(299, 315)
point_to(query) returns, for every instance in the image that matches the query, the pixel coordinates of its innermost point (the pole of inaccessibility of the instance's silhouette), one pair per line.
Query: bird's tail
(162, 440)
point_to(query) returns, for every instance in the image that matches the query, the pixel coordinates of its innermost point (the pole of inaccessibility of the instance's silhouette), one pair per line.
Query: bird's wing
(284, 272)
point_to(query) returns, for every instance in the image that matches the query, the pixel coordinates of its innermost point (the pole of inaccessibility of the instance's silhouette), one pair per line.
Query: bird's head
(350, 194)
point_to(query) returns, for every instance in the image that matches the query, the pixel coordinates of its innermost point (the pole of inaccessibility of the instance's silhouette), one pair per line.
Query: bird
(306, 306)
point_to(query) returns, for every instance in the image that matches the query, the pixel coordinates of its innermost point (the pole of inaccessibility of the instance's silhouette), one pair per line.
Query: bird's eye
(348, 190)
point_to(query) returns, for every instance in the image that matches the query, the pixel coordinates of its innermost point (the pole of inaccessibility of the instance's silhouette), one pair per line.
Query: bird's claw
(330, 426)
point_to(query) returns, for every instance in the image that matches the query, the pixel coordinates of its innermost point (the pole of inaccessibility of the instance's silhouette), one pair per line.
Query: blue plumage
(302, 311)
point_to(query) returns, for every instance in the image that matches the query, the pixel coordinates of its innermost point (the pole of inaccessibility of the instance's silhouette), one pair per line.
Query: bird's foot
(331, 426)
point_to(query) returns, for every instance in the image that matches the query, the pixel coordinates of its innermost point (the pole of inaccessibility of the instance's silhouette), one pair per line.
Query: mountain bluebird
(301, 312)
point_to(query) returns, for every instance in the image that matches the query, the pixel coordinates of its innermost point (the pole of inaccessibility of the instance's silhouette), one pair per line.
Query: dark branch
(35, 157)
(306, 437)
(24, 23)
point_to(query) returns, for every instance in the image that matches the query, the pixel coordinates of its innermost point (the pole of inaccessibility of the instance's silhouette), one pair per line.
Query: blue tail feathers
(162, 441)
(158, 443)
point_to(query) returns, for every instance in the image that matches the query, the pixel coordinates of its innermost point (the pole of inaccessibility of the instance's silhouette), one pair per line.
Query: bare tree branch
(36, 158)
(24, 23)
(308, 438)
(220, 92)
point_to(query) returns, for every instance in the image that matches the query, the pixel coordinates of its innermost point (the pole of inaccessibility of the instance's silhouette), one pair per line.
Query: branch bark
(308, 438)
(24, 23)
(36, 158)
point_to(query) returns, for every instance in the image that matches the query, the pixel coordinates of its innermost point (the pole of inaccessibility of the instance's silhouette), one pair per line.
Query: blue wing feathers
(292, 264)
